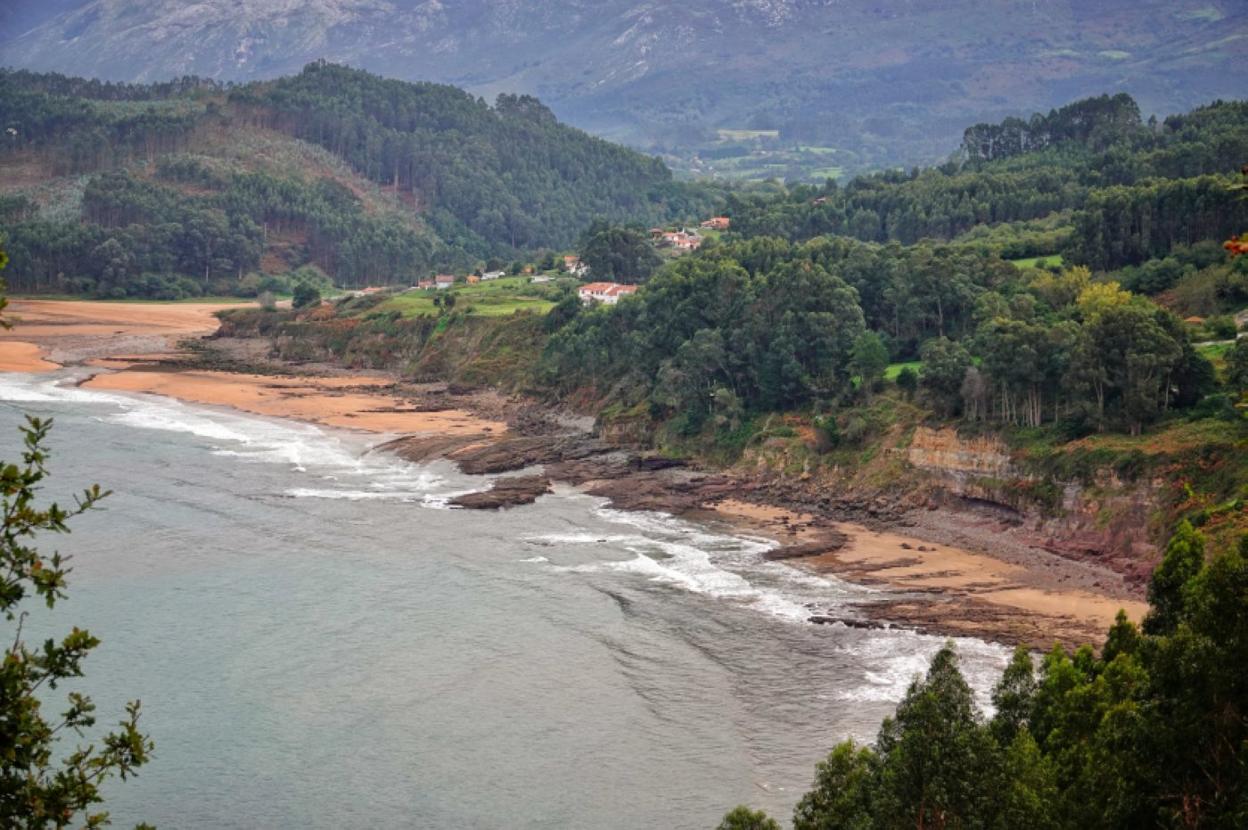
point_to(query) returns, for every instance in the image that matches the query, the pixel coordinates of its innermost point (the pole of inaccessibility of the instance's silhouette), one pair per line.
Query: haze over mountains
(867, 84)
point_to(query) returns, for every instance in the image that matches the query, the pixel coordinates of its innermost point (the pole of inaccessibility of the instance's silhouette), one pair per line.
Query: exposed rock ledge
(506, 492)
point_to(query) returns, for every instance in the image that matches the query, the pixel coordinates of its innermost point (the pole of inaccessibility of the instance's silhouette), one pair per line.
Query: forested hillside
(189, 187)
(1071, 291)
(1098, 184)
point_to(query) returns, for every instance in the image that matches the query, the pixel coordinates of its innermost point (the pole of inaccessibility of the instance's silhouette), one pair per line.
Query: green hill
(188, 187)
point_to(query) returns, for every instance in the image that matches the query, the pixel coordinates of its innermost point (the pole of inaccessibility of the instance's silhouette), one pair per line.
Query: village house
(425, 284)
(717, 223)
(574, 266)
(682, 240)
(444, 280)
(493, 275)
(604, 292)
(473, 279)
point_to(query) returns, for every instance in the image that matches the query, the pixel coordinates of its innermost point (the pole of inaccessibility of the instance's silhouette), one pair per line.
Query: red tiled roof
(609, 289)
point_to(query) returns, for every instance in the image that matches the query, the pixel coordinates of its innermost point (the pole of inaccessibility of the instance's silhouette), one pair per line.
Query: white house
(604, 292)
(574, 266)
(493, 275)
(444, 280)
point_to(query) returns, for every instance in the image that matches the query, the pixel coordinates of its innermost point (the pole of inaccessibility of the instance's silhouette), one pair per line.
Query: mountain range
(858, 83)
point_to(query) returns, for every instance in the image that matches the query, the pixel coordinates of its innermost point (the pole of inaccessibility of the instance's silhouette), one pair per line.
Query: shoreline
(935, 577)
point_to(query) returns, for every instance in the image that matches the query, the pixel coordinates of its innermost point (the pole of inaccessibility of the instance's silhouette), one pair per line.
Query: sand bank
(72, 331)
(974, 589)
(939, 587)
(19, 356)
(355, 402)
(788, 527)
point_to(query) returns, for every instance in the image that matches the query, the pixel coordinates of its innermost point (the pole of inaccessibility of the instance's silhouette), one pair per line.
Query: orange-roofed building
(608, 293)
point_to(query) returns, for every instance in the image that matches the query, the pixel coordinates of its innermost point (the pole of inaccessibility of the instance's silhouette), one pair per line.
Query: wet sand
(967, 591)
(73, 331)
(939, 587)
(352, 402)
(790, 527)
(19, 356)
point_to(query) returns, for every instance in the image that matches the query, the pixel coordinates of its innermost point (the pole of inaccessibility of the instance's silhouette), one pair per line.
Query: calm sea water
(319, 642)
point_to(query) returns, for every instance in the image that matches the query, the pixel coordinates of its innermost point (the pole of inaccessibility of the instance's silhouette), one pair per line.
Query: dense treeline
(1093, 122)
(54, 83)
(1152, 732)
(1127, 225)
(78, 135)
(146, 238)
(751, 327)
(511, 174)
(765, 324)
(618, 254)
(1077, 163)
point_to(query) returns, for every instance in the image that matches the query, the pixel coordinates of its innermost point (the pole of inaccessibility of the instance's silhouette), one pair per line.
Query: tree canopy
(1152, 732)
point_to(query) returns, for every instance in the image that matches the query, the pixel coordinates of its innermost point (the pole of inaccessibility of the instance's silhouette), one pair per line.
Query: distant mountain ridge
(877, 82)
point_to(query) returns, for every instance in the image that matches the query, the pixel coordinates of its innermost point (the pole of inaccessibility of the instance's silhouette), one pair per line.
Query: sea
(320, 641)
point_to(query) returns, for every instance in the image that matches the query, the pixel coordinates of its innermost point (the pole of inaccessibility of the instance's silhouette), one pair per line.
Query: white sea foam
(664, 549)
(330, 456)
(896, 658)
(353, 495)
(672, 551)
(694, 558)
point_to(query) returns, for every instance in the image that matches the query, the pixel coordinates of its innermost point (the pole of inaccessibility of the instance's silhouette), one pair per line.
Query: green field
(497, 298)
(1039, 261)
(828, 172)
(894, 369)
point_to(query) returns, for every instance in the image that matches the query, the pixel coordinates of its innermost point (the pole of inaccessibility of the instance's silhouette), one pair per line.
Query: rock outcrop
(511, 491)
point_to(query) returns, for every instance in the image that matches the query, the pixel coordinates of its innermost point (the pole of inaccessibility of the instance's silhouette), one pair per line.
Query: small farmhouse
(574, 266)
(425, 284)
(604, 292)
(444, 280)
(681, 240)
(717, 223)
(493, 275)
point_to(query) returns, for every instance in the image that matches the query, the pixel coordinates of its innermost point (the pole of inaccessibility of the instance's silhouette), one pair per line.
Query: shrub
(306, 295)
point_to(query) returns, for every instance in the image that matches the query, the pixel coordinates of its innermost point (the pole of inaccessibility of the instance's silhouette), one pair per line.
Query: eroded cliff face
(1108, 519)
(944, 451)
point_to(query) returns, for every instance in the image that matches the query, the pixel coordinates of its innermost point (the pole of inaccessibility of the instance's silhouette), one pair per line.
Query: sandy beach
(942, 588)
(354, 402)
(1034, 597)
(20, 356)
(46, 333)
